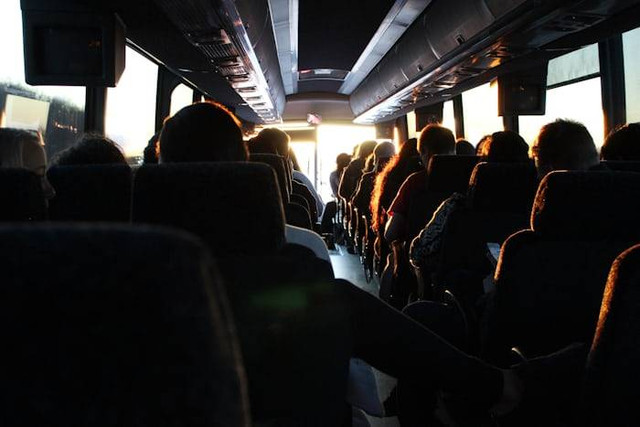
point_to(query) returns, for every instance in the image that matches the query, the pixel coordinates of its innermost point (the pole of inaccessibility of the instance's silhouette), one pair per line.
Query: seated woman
(25, 149)
(91, 149)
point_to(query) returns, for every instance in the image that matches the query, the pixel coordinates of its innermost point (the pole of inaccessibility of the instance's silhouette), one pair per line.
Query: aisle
(347, 266)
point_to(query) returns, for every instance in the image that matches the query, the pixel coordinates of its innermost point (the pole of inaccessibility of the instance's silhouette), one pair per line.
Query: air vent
(573, 22)
(214, 36)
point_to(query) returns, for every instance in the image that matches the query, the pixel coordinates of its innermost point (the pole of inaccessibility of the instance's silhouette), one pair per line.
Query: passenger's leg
(399, 346)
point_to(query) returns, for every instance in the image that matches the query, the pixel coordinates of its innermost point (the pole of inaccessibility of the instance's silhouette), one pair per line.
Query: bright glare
(480, 107)
(448, 118)
(181, 97)
(11, 51)
(131, 106)
(581, 102)
(333, 140)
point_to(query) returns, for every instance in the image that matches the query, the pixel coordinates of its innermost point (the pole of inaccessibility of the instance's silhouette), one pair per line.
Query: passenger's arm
(395, 228)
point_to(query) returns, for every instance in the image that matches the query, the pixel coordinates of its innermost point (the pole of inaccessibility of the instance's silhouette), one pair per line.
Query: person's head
(273, 141)
(481, 143)
(382, 153)
(505, 146)
(151, 150)
(202, 132)
(409, 149)
(435, 139)
(366, 149)
(465, 148)
(564, 144)
(342, 161)
(25, 149)
(369, 163)
(623, 143)
(90, 150)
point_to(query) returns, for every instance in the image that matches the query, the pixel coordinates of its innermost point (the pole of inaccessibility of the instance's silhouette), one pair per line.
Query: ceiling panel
(333, 33)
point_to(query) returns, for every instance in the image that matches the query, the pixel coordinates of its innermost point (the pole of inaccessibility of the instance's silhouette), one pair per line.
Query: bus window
(573, 93)
(333, 140)
(448, 117)
(181, 96)
(631, 44)
(131, 106)
(56, 111)
(480, 109)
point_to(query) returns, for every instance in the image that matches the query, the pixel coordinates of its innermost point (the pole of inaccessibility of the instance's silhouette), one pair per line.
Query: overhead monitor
(73, 49)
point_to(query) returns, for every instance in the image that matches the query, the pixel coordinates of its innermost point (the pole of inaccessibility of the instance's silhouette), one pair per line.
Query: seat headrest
(21, 196)
(621, 165)
(588, 206)
(450, 173)
(234, 207)
(278, 164)
(114, 323)
(503, 187)
(90, 192)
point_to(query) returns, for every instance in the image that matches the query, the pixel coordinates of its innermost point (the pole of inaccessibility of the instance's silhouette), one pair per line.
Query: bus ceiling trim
(479, 58)
(284, 20)
(393, 26)
(221, 36)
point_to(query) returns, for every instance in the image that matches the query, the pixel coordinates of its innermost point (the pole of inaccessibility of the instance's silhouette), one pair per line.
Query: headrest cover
(503, 187)
(90, 192)
(21, 196)
(114, 323)
(278, 164)
(235, 207)
(450, 173)
(588, 206)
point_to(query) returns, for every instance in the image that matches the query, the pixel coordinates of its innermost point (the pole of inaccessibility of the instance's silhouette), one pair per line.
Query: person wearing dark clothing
(353, 172)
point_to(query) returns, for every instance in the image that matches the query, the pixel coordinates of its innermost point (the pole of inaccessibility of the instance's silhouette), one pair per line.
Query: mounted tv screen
(73, 49)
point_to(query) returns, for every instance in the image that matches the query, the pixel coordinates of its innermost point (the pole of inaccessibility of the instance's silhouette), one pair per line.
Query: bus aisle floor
(347, 266)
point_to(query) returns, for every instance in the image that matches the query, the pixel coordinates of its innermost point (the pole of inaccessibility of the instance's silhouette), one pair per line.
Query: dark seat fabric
(295, 336)
(278, 165)
(302, 190)
(298, 216)
(90, 193)
(234, 207)
(503, 187)
(445, 176)
(21, 196)
(499, 201)
(619, 165)
(550, 279)
(108, 326)
(610, 392)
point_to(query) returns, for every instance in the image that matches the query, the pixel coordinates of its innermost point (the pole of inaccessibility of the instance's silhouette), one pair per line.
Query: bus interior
(234, 293)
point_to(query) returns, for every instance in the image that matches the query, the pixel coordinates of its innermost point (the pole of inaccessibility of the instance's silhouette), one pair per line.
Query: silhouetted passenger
(362, 196)
(25, 149)
(465, 148)
(342, 161)
(90, 150)
(499, 147)
(505, 147)
(564, 145)
(276, 141)
(353, 172)
(622, 143)
(434, 139)
(202, 132)
(481, 143)
(150, 154)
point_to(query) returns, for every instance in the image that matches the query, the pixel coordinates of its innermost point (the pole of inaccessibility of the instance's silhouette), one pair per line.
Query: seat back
(610, 392)
(549, 280)
(112, 326)
(278, 165)
(234, 207)
(90, 193)
(445, 176)
(21, 196)
(620, 165)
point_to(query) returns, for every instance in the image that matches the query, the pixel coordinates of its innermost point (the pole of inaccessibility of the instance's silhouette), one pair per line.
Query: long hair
(388, 181)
